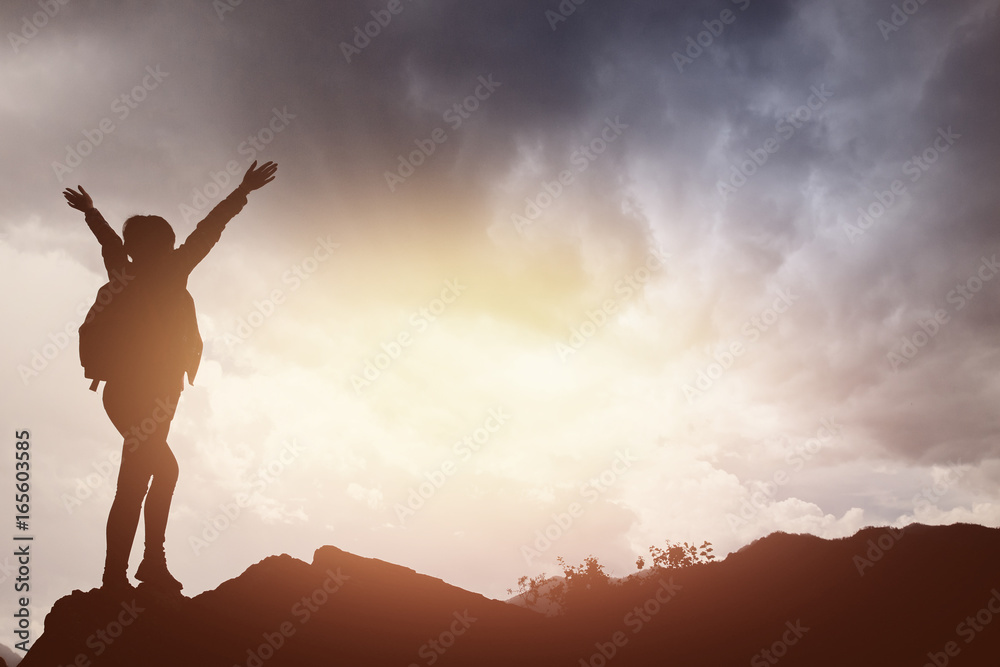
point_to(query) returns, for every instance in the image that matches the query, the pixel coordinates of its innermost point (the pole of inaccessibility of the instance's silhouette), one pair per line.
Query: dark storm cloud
(355, 118)
(929, 246)
(893, 92)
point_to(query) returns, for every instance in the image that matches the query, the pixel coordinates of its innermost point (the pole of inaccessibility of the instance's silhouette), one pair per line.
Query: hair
(142, 233)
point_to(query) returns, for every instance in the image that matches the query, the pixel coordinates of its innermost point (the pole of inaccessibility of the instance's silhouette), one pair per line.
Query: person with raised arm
(141, 337)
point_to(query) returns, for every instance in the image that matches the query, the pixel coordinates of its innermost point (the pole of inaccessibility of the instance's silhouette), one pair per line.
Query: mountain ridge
(883, 596)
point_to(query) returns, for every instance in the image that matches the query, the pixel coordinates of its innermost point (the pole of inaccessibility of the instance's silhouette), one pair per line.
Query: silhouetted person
(155, 342)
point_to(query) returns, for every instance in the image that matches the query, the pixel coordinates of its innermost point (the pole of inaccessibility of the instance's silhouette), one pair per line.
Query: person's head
(147, 237)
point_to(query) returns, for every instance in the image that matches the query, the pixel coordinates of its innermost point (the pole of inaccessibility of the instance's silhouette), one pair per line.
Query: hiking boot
(153, 571)
(116, 583)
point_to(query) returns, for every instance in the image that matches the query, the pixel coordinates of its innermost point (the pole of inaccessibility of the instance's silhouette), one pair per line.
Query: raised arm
(112, 248)
(209, 231)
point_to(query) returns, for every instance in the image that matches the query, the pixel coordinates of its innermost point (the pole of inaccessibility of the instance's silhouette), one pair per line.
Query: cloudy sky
(613, 273)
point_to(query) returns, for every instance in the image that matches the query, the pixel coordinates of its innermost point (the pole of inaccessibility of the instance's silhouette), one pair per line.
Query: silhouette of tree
(589, 580)
(583, 581)
(529, 588)
(677, 555)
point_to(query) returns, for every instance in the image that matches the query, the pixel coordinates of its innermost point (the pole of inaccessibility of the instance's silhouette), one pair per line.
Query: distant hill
(8, 657)
(881, 597)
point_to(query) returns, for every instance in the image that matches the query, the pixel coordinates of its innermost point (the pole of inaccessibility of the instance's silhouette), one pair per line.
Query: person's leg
(125, 411)
(163, 466)
(161, 491)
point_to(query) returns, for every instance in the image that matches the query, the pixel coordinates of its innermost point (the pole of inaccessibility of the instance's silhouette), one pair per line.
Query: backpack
(108, 341)
(123, 335)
